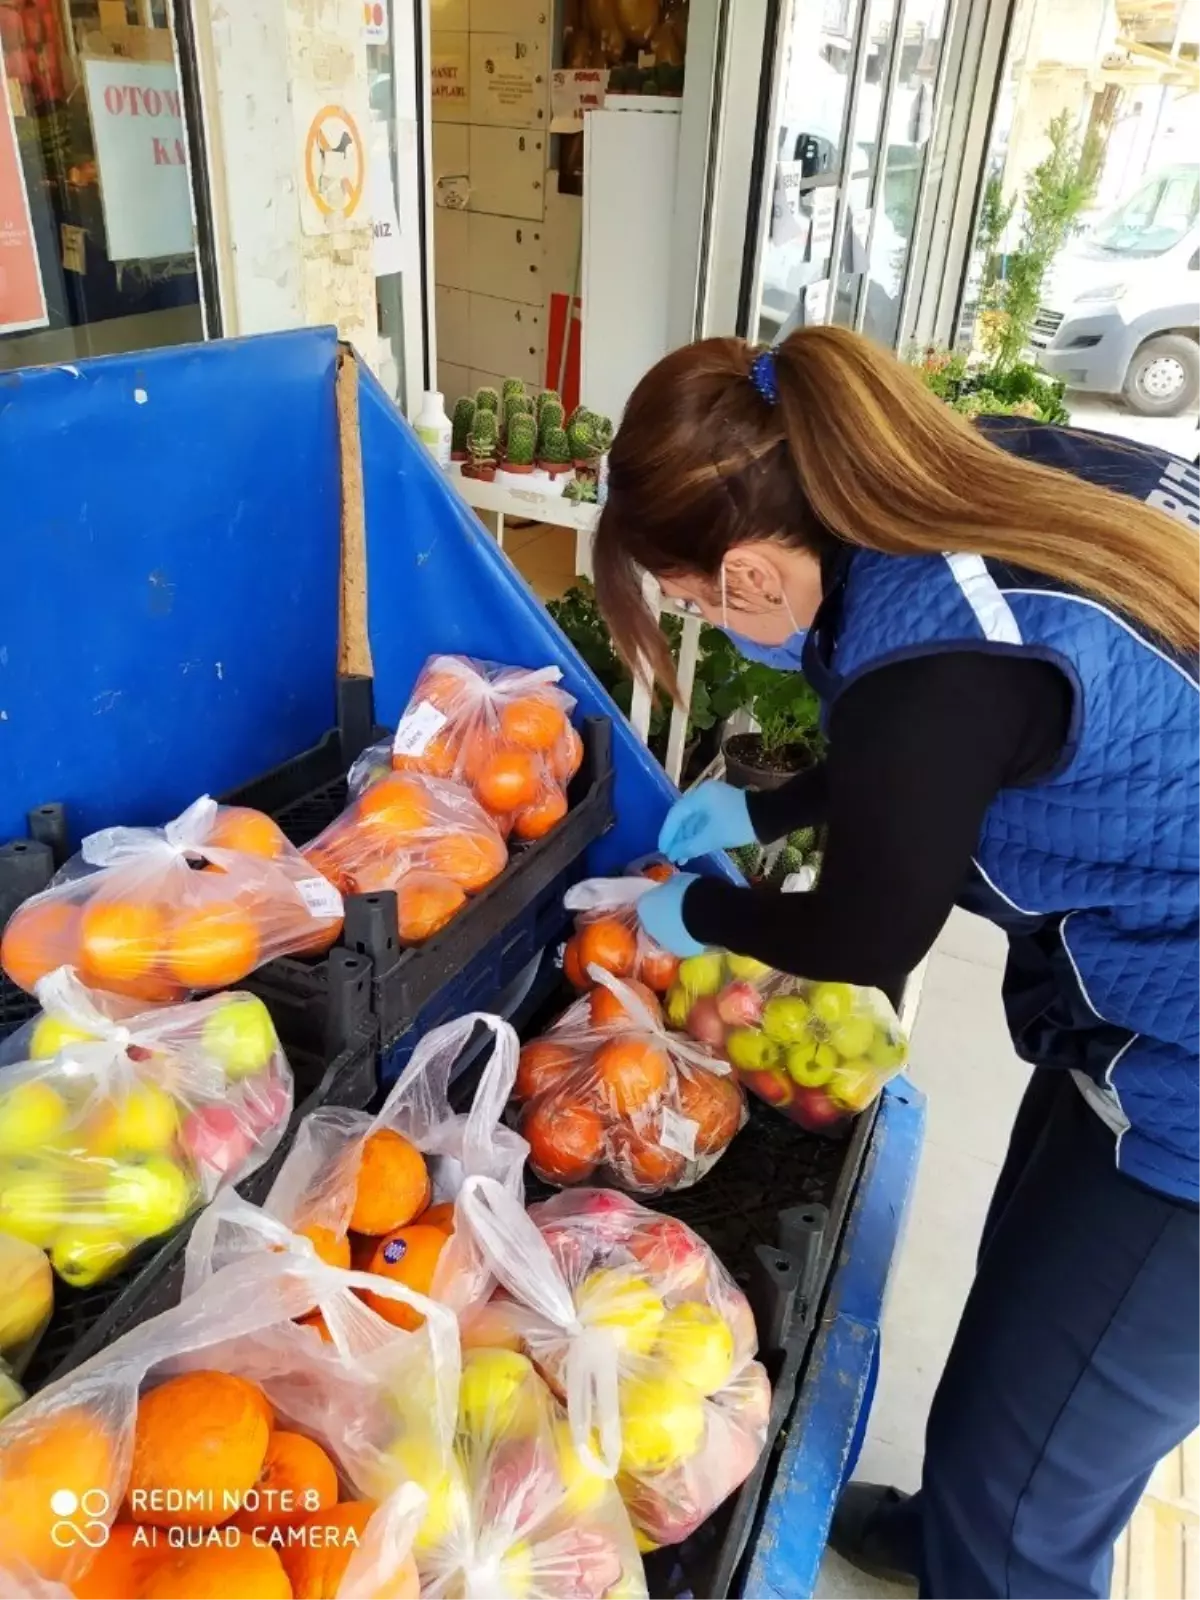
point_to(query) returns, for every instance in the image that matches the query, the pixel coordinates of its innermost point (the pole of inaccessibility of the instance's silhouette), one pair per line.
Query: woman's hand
(661, 914)
(714, 816)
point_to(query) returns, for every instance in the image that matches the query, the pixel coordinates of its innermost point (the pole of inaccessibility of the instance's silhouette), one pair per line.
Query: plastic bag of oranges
(609, 1094)
(112, 1132)
(608, 935)
(428, 839)
(158, 912)
(384, 1188)
(504, 731)
(636, 1325)
(210, 1451)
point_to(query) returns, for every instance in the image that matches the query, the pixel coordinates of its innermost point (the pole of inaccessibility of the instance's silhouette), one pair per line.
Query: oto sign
(137, 123)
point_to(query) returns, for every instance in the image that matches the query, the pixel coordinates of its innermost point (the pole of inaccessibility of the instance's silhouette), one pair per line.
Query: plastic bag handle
(607, 894)
(386, 1541)
(63, 994)
(187, 832)
(692, 1055)
(593, 1399)
(493, 1091)
(512, 1247)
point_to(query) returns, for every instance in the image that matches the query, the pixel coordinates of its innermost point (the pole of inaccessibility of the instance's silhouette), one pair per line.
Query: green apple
(827, 1058)
(887, 1053)
(855, 1085)
(241, 1036)
(679, 1003)
(32, 1204)
(785, 1018)
(50, 1034)
(747, 968)
(30, 1114)
(832, 1002)
(147, 1197)
(140, 1121)
(852, 1037)
(803, 1067)
(85, 1253)
(751, 1051)
(701, 975)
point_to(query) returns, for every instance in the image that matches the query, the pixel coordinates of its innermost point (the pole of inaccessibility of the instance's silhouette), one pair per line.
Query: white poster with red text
(137, 122)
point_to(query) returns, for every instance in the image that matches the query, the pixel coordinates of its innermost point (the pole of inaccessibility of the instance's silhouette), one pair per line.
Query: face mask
(783, 657)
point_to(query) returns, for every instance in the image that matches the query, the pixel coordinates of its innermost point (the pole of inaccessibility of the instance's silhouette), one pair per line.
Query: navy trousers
(1075, 1368)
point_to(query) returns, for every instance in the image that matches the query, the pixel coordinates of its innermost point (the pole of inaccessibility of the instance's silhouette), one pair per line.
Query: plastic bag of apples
(158, 912)
(607, 933)
(505, 732)
(428, 839)
(219, 1449)
(114, 1127)
(608, 1091)
(381, 1189)
(638, 1328)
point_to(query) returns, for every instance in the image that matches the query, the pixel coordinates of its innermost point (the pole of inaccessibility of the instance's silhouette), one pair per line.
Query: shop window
(97, 242)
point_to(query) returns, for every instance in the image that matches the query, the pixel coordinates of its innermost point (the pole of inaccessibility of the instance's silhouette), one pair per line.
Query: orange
(572, 967)
(204, 1433)
(537, 820)
(213, 946)
(326, 860)
(658, 970)
(608, 1012)
(240, 828)
(362, 1248)
(509, 781)
(317, 1565)
(607, 943)
(439, 1216)
(541, 1067)
(41, 935)
(567, 756)
(643, 1163)
(438, 759)
(214, 1572)
(713, 1103)
(66, 1450)
(658, 871)
(120, 1567)
(471, 860)
(120, 940)
(397, 804)
(566, 1139)
(633, 1074)
(445, 690)
(330, 1247)
(425, 903)
(392, 1185)
(408, 1256)
(532, 722)
(296, 1477)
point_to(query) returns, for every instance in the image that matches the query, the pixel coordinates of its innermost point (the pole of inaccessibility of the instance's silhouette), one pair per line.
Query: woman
(1001, 622)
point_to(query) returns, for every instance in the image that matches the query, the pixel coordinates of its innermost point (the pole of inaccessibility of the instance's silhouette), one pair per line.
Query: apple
(856, 1085)
(265, 1102)
(85, 1253)
(218, 1138)
(815, 1109)
(832, 1002)
(146, 1198)
(584, 1561)
(50, 1034)
(625, 1302)
(752, 1051)
(30, 1113)
(679, 1003)
(704, 1022)
(521, 1480)
(675, 1258)
(140, 1121)
(662, 1422)
(740, 1005)
(786, 1018)
(887, 1053)
(585, 1489)
(33, 1203)
(697, 1343)
(701, 975)
(241, 1036)
(803, 1066)
(494, 1384)
(747, 968)
(852, 1037)
(773, 1087)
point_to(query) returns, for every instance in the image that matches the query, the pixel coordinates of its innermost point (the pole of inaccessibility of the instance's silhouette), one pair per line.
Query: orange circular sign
(335, 166)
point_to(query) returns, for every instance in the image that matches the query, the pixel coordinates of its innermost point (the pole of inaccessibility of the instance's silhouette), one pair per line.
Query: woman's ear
(752, 577)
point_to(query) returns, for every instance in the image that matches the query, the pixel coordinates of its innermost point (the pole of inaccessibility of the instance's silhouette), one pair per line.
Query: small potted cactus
(521, 446)
(487, 400)
(550, 414)
(460, 427)
(483, 442)
(516, 405)
(554, 452)
(509, 389)
(590, 435)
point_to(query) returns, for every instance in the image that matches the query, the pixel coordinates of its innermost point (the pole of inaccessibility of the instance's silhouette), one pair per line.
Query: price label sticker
(418, 729)
(678, 1133)
(320, 896)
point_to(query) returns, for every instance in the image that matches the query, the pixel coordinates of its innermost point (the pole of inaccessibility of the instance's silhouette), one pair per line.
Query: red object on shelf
(554, 344)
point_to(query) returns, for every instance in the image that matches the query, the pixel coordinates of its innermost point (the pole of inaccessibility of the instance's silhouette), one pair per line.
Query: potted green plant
(520, 447)
(483, 443)
(548, 397)
(516, 405)
(550, 414)
(487, 399)
(554, 452)
(460, 427)
(510, 388)
(590, 436)
(789, 737)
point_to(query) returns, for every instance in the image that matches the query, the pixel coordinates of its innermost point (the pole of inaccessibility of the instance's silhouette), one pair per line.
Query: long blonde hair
(855, 449)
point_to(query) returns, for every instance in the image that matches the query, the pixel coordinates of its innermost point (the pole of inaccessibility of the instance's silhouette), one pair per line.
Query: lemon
(617, 1299)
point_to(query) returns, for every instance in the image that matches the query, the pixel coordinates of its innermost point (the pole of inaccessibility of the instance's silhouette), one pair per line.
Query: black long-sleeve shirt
(917, 752)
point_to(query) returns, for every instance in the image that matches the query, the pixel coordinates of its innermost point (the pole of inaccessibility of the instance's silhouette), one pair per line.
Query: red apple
(814, 1109)
(218, 1137)
(584, 1562)
(740, 1005)
(774, 1087)
(265, 1102)
(704, 1022)
(671, 1253)
(522, 1483)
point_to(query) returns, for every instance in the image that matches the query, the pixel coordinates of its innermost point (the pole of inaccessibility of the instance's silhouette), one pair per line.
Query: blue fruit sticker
(394, 1250)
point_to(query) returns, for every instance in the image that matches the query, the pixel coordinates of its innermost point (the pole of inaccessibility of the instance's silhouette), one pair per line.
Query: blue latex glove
(661, 914)
(713, 817)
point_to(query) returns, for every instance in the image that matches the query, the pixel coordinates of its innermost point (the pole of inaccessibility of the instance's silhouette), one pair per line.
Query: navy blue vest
(1094, 869)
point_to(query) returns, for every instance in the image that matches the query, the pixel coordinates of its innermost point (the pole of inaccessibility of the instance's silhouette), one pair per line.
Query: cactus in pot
(509, 389)
(548, 397)
(516, 405)
(554, 451)
(482, 444)
(522, 442)
(460, 427)
(487, 400)
(550, 415)
(590, 436)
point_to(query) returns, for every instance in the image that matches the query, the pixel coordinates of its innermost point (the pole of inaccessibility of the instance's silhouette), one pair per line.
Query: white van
(1121, 313)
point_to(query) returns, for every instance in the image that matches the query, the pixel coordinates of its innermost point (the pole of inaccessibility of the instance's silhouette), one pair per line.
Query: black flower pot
(746, 766)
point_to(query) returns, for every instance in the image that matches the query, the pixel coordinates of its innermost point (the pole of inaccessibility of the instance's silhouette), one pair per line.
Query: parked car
(1122, 307)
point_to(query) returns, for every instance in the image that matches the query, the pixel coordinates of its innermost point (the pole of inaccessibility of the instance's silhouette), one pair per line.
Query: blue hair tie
(762, 376)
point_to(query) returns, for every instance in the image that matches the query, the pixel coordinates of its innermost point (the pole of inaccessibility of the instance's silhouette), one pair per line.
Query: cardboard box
(509, 80)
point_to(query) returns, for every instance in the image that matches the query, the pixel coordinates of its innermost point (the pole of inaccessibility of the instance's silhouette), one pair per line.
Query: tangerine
(658, 969)
(644, 1163)
(68, 1450)
(204, 1433)
(120, 1566)
(714, 1103)
(121, 941)
(425, 903)
(408, 1256)
(608, 943)
(509, 780)
(567, 756)
(396, 804)
(541, 1067)
(658, 871)
(633, 1074)
(442, 689)
(608, 1011)
(332, 1248)
(532, 722)
(242, 828)
(573, 967)
(392, 1186)
(471, 860)
(41, 935)
(212, 946)
(212, 1572)
(439, 1216)
(296, 1477)
(326, 858)
(317, 1565)
(537, 820)
(438, 759)
(566, 1139)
